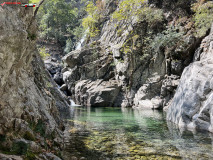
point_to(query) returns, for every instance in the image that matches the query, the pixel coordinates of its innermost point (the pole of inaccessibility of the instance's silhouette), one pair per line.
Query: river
(127, 134)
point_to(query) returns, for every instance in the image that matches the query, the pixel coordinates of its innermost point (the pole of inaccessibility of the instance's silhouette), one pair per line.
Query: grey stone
(64, 87)
(191, 106)
(58, 78)
(97, 93)
(10, 157)
(26, 89)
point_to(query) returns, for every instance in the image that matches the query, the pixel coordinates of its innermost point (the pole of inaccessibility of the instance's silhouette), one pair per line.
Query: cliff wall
(29, 100)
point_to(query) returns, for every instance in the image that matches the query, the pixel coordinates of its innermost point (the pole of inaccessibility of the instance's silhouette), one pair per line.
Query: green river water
(125, 134)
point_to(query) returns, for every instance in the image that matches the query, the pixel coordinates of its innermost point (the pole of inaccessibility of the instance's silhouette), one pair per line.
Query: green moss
(2, 138)
(42, 52)
(19, 148)
(29, 136)
(30, 156)
(31, 36)
(38, 127)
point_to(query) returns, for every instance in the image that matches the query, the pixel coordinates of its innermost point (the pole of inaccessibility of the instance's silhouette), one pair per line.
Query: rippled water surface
(115, 133)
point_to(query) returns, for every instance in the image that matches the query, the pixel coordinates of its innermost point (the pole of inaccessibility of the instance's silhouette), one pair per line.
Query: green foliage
(43, 54)
(34, 1)
(56, 18)
(129, 9)
(203, 17)
(30, 156)
(29, 136)
(78, 33)
(38, 127)
(31, 36)
(69, 46)
(2, 138)
(90, 22)
(168, 38)
(150, 15)
(19, 148)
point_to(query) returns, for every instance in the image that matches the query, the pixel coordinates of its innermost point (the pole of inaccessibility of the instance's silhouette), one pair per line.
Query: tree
(203, 16)
(56, 18)
(90, 22)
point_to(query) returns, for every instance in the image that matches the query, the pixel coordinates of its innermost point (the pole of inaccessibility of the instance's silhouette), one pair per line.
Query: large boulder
(192, 106)
(97, 93)
(146, 96)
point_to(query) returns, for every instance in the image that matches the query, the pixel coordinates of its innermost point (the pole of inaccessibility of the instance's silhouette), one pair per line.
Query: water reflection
(193, 142)
(124, 133)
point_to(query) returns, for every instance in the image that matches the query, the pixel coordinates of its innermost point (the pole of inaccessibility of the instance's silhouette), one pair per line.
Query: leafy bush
(129, 9)
(167, 38)
(29, 136)
(55, 18)
(78, 32)
(203, 16)
(69, 46)
(90, 22)
(42, 52)
(19, 148)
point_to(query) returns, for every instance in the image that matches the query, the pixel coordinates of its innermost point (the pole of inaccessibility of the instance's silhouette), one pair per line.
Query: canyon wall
(110, 70)
(191, 106)
(29, 100)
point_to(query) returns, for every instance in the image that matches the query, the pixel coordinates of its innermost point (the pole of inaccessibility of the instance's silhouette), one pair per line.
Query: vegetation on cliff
(203, 16)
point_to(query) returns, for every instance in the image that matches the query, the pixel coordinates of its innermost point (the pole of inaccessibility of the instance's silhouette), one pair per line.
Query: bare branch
(36, 10)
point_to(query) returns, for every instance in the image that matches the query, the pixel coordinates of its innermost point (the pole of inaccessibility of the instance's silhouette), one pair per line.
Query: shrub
(129, 9)
(69, 46)
(29, 136)
(55, 17)
(90, 22)
(42, 52)
(167, 38)
(38, 127)
(203, 16)
(19, 148)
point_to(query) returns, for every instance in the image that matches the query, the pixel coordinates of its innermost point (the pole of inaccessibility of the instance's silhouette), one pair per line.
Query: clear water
(116, 133)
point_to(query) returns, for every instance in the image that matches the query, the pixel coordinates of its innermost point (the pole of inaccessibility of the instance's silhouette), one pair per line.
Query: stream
(127, 134)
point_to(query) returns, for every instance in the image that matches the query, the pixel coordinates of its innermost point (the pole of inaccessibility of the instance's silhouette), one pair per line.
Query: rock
(49, 156)
(26, 89)
(191, 106)
(177, 67)
(58, 78)
(74, 158)
(145, 96)
(64, 87)
(28, 145)
(52, 66)
(105, 57)
(97, 93)
(10, 157)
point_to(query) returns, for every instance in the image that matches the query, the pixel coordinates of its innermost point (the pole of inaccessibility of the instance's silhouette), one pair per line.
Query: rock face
(191, 106)
(145, 79)
(97, 93)
(29, 98)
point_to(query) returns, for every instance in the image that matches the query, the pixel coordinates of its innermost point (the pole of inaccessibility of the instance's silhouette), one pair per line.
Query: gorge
(137, 86)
